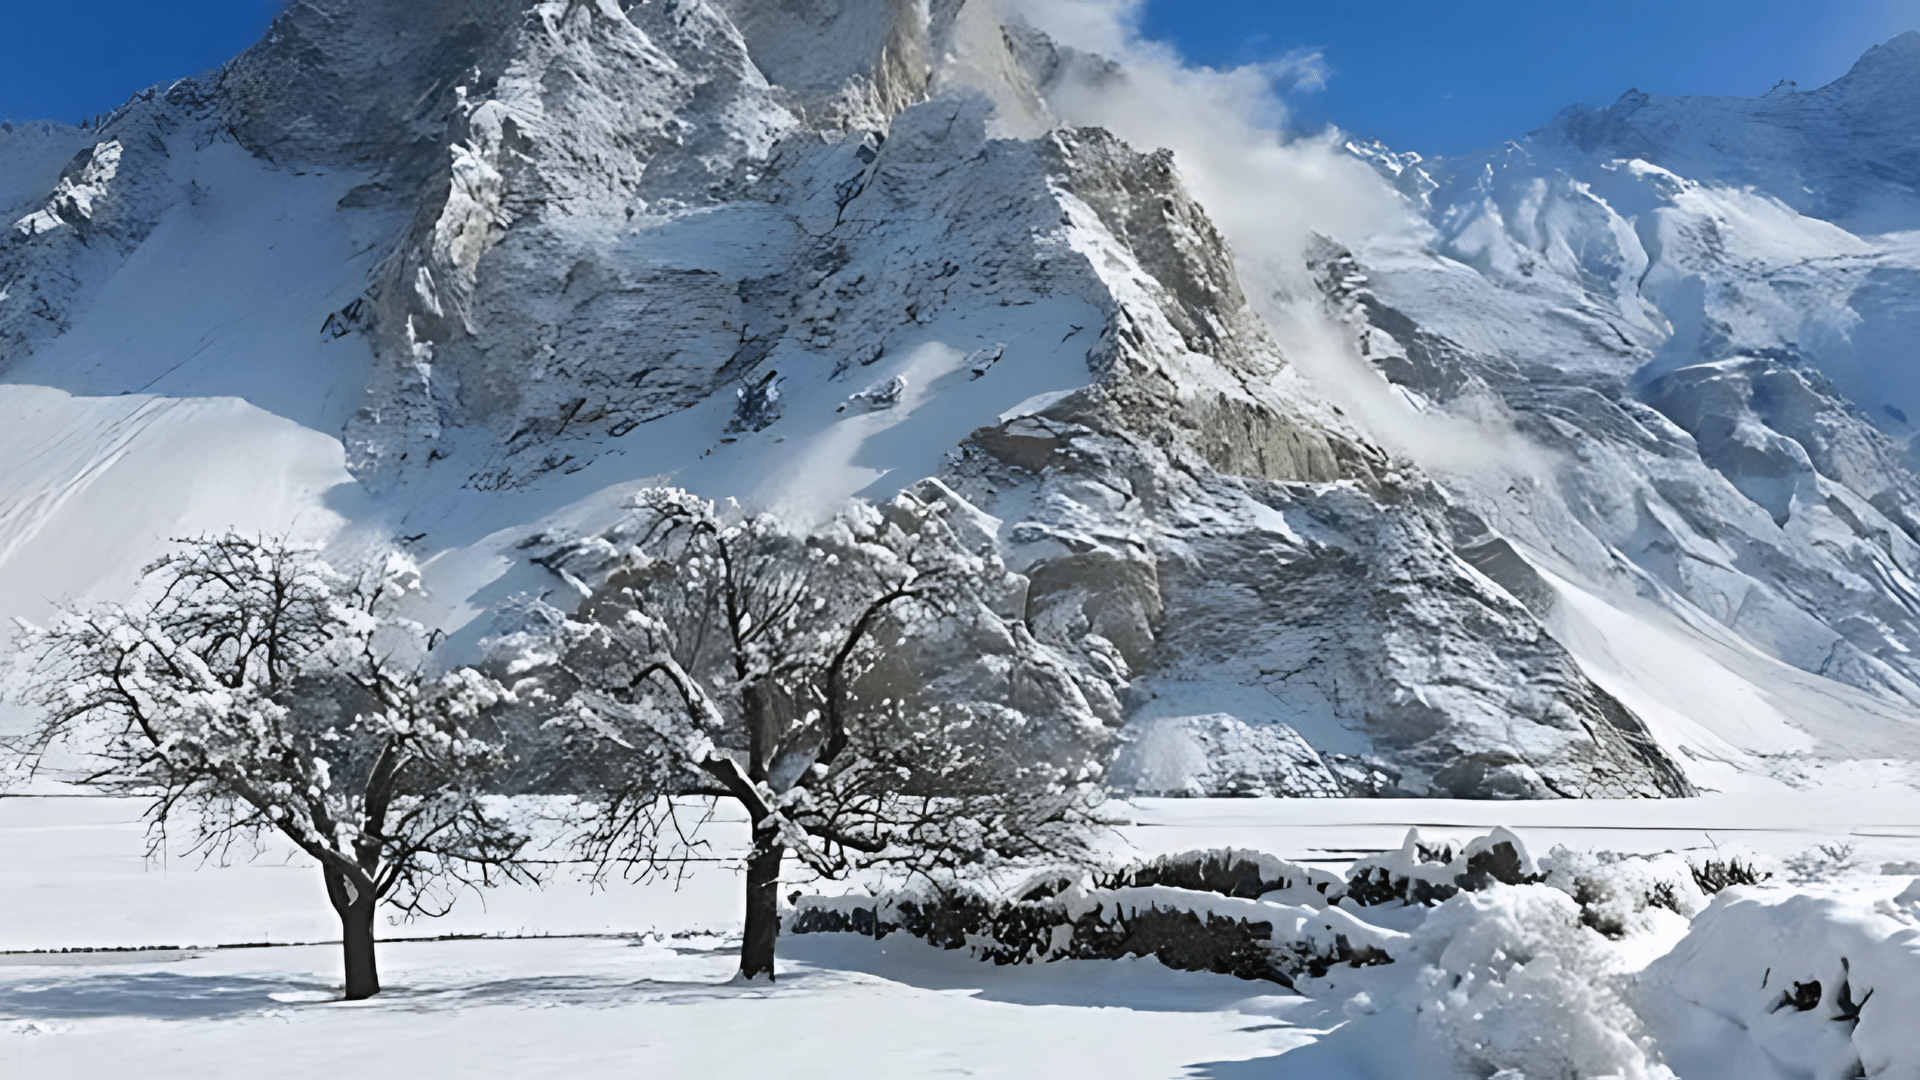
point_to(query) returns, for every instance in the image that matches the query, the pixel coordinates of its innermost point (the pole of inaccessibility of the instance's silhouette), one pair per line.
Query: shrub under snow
(1816, 986)
(1624, 895)
(1428, 872)
(1513, 979)
(1511, 970)
(1069, 917)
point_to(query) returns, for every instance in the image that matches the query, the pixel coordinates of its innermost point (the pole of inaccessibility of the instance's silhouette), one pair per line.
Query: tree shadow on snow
(154, 995)
(176, 996)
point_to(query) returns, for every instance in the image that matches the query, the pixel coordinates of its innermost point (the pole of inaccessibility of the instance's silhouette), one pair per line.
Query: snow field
(91, 887)
(1505, 979)
(599, 1008)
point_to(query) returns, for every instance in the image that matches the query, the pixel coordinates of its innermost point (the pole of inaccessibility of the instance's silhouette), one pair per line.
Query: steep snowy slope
(506, 262)
(1665, 295)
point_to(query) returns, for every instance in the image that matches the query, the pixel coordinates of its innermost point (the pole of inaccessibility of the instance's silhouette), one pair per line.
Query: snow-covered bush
(1621, 895)
(1819, 863)
(1714, 874)
(1233, 872)
(1816, 987)
(1068, 917)
(1498, 980)
(1229, 911)
(1423, 872)
(1512, 980)
(1540, 980)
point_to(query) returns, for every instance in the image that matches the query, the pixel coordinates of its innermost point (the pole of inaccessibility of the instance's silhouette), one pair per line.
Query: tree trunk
(763, 907)
(356, 935)
(356, 939)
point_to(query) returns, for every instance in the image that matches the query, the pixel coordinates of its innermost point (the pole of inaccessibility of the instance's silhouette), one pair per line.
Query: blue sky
(67, 61)
(1430, 75)
(1444, 76)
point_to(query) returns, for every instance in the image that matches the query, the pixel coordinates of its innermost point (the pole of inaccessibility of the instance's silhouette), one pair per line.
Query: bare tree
(851, 689)
(255, 689)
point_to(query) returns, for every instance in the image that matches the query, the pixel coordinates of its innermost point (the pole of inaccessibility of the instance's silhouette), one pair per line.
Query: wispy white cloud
(1269, 192)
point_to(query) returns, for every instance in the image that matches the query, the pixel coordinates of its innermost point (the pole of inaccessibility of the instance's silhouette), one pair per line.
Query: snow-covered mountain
(1703, 310)
(1574, 469)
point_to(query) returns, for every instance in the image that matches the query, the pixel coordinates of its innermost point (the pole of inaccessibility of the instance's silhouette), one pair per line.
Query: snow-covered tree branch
(852, 688)
(253, 688)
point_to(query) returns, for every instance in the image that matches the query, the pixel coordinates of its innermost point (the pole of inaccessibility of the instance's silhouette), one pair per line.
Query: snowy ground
(642, 1000)
(591, 1008)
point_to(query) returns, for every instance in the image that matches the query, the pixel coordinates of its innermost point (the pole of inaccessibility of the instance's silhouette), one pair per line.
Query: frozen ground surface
(649, 996)
(591, 1008)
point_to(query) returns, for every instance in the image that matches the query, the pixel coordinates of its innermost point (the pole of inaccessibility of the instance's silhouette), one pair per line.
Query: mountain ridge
(506, 263)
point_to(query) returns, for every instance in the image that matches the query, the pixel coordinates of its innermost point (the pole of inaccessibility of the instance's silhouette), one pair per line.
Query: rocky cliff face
(791, 251)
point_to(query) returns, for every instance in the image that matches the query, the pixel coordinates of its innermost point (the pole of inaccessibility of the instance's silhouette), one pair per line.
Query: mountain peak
(1901, 48)
(1891, 66)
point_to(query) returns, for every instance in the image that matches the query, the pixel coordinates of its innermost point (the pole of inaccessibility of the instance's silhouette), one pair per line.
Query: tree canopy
(852, 687)
(251, 687)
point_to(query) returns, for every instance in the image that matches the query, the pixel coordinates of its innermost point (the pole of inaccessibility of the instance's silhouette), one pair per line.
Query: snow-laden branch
(252, 687)
(795, 673)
